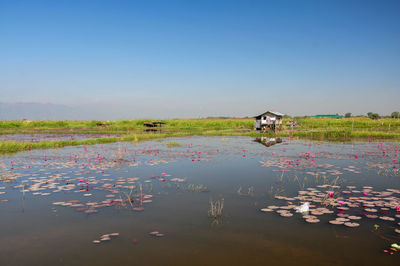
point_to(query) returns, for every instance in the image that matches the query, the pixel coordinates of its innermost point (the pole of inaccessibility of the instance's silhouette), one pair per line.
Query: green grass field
(134, 130)
(122, 126)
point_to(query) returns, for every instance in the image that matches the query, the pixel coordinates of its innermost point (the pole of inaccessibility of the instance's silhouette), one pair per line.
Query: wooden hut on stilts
(268, 121)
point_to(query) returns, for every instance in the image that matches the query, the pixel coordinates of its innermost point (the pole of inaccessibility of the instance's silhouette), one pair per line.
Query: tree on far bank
(395, 115)
(374, 115)
(347, 115)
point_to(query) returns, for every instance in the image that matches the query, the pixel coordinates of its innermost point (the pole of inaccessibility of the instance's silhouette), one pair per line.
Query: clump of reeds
(250, 192)
(198, 188)
(173, 144)
(216, 208)
(120, 157)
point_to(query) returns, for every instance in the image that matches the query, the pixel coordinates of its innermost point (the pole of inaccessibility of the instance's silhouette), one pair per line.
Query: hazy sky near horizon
(202, 58)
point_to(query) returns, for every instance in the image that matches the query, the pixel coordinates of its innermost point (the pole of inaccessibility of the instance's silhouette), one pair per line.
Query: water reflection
(268, 141)
(123, 195)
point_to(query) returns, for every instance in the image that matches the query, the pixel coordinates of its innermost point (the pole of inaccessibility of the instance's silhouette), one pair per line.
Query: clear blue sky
(202, 58)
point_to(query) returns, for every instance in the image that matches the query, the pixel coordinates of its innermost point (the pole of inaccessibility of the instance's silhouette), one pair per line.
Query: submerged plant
(250, 192)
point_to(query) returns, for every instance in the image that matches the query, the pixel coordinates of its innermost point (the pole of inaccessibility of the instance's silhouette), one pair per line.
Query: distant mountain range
(38, 111)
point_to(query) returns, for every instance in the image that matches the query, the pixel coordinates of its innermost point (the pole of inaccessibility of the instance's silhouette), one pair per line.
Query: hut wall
(267, 119)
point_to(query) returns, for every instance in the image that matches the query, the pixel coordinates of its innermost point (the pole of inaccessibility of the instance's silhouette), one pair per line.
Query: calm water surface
(49, 137)
(169, 190)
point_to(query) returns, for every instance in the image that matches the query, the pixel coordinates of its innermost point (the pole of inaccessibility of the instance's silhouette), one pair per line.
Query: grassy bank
(346, 128)
(121, 126)
(134, 130)
(353, 124)
(16, 146)
(179, 125)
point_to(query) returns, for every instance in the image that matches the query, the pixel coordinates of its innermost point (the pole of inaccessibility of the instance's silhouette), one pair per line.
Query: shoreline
(343, 130)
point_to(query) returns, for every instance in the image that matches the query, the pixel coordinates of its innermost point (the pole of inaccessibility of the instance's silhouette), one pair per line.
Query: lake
(148, 204)
(55, 136)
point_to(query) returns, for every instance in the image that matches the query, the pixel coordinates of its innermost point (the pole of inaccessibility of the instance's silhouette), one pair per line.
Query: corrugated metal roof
(272, 112)
(276, 113)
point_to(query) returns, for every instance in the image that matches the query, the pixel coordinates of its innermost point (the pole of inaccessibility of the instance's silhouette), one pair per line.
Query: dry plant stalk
(216, 208)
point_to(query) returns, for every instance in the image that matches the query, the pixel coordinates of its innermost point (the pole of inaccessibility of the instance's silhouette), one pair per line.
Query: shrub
(374, 116)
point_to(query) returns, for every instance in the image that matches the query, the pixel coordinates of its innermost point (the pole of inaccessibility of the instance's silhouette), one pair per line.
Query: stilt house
(268, 120)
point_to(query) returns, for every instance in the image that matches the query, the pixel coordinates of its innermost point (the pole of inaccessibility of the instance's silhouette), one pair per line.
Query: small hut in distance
(268, 120)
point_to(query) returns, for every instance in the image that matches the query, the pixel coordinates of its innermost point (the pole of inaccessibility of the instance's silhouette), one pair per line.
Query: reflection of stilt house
(268, 120)
(268, 141)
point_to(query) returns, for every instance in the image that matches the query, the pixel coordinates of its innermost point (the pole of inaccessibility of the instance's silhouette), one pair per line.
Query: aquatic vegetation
(173, 144)
(349, 204)
(157, 234)
(303, 208)
(249, 192)
(198, 188)
(134, 188)
(105, 238)
(216, 208)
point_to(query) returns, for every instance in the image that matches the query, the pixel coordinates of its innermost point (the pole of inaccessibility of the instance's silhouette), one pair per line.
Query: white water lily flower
(303, 208)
